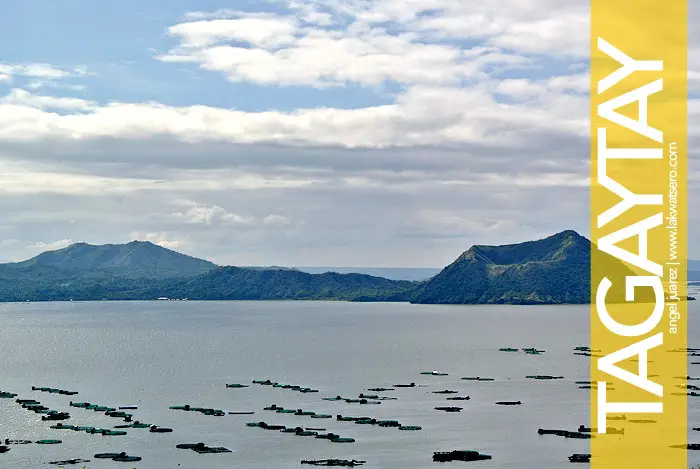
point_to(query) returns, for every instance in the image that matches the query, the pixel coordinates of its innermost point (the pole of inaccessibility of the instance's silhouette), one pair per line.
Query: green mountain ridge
(553, 270)
(134, 259)
(235, 283)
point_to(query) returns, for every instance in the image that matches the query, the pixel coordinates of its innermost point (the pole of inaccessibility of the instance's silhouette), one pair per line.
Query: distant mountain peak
(135, 259)
(143, 243)
(554, 269)
(546, 249)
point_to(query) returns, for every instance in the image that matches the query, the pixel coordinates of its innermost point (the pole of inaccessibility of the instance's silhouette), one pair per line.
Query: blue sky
(294, 132)
(117, 41)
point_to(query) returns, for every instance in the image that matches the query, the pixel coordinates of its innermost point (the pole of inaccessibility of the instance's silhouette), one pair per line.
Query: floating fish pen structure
(477, 378)
(90, 430)
(609, 430)
(544, 377)
(459, 455)
(583, 348)
(68, 462)
(300, 431)
(201, 410)
(333, 462)
(26, 401)
(362, 401)
(458, 398)
(155, 429)
(566, 434)
(8, 442)
(60, 426)
(341, 440)
(689, 446)
(266, 382)
(54, 415)
(118, 414)
(274, 384)
(374, 421)
(54, 391)
(107, 432)
(300, 412)
(685, 350)
(265, 426)
(410, 385)
(201, 448)
(119, 457)
(109, 411)
(136, 424)
(509, 403)
(37, 408)
(449, 409)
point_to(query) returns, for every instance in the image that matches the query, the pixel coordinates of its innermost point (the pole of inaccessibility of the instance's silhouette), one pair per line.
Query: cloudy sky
(296, 132)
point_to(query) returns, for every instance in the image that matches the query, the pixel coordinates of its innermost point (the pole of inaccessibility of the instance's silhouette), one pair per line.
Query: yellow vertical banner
(639, 232)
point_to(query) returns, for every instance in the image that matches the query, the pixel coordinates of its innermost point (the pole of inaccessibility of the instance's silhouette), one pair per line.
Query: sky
(298, 132)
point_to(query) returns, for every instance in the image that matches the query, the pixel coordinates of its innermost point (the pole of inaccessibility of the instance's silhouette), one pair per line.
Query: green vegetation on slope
(135, 259)
(234, 283)
(554, 270)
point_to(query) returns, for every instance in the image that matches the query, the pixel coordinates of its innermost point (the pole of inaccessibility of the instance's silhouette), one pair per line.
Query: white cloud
(20, 97)
(213, 215)
(354, 41)
(166, 240)
(306, 46)
(40, 75)
(483, 123)
(259, 30)
(562, 33)
(17, 250)
(52, 246)
(420, 116)
(39, 84)
(521, 89)
(41, 70)
(276, 220)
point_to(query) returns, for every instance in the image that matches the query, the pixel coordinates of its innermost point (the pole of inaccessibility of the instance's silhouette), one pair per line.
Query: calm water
(158, 354)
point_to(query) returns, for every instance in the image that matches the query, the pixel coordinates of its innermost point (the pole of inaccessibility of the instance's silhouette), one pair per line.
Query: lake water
(158, 354)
